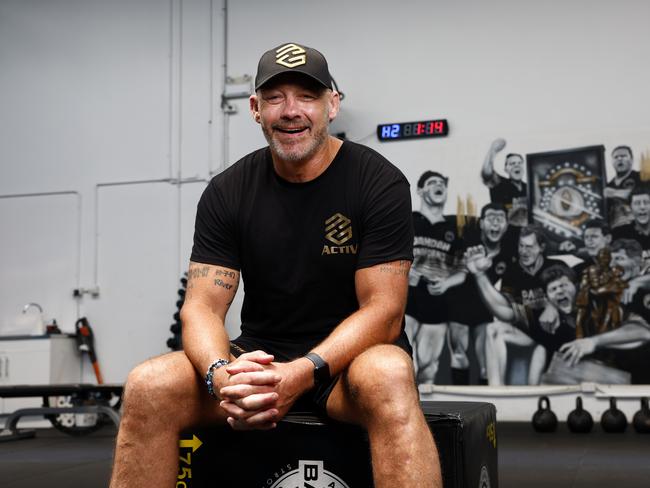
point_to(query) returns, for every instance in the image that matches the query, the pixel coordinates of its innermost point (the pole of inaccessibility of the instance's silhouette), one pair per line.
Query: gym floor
(526, 458)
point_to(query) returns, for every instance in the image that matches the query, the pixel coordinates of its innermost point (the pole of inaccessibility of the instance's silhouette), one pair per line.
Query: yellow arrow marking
(194, 443)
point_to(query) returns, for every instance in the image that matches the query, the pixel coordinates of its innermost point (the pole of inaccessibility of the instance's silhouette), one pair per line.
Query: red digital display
(413, 130)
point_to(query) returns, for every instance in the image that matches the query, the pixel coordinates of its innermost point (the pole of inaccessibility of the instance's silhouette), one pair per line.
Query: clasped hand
(259, 392)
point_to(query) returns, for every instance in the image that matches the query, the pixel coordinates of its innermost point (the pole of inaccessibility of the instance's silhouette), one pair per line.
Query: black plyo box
(305, 450)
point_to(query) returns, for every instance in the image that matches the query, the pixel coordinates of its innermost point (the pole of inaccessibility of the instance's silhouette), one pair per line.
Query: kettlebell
(641, 420)
(544, 420)
(579, 420)
(613, 420)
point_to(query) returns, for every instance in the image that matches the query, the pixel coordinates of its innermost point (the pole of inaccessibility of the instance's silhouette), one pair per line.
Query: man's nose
(290, 108)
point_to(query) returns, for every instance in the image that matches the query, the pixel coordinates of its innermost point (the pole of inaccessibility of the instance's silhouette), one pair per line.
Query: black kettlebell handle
(542, 400)
(579, 403)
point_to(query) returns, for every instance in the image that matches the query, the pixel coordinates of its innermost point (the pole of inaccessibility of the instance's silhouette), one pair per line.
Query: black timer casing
(413, 130)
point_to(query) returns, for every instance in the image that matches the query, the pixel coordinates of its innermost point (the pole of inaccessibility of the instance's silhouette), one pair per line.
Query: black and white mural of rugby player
(620, 187)
(628, 346)
(639, 228)
(468, 312)
(512, 190)
(558, 283)
(437, 267)
(522, 284)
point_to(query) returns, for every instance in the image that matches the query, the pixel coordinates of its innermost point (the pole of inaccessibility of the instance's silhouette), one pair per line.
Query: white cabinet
(36, 360)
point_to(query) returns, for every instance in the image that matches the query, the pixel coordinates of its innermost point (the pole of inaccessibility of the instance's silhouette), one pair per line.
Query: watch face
(322, 374)
(321, 368)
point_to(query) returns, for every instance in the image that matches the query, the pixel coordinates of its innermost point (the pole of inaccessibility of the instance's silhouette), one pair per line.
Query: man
(559, 288)
(620, 187)
(436, 268)
(628, 346)
(319, 230)
(512, 191)
(499, 242)
(639, 229)
(522, 284)
(596, 236)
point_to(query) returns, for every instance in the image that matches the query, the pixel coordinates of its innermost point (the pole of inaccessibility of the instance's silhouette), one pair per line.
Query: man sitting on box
(320, 231)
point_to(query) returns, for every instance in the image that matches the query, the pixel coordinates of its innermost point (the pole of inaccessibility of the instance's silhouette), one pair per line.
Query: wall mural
(548, 283)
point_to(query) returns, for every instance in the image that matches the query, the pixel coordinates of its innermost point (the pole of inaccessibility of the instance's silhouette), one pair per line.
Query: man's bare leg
(431, 340)
(458, 342)
(412, 328)
(479, 347)
(378, 392)
(496, 353)
(537, 364)
(162, 397)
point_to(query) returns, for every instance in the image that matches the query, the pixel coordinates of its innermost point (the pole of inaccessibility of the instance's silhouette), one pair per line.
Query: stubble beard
(301, 151)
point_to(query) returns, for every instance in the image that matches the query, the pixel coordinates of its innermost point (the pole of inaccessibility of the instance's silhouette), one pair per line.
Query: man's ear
(334, 105)
(254, 105)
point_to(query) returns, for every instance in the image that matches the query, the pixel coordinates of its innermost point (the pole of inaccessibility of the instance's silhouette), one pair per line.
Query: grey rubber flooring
(526, 459)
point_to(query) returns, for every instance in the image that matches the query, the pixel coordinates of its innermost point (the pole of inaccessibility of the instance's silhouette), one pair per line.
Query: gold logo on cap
(291, 55)
(338, 229)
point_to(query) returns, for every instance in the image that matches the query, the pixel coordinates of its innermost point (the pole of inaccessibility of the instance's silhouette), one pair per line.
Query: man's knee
(494, 330)
(159, 380)
(382, 380)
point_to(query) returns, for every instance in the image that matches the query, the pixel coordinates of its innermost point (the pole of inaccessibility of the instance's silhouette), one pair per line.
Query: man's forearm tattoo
(401, 268)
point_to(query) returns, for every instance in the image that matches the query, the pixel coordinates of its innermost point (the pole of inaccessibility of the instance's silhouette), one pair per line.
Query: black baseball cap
(293, 58)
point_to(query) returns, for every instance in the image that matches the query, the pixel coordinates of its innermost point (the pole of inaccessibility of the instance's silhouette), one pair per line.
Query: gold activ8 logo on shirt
(338, 230)
(291, 55)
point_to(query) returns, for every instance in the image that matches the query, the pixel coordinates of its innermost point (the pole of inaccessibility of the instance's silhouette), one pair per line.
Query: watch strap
(321, 368)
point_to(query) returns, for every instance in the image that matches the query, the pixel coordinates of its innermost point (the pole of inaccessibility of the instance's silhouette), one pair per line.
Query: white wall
(105, 99)
(95, 92)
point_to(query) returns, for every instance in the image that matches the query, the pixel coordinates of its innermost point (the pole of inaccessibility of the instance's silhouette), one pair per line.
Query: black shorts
(424, 307)
(315, 400)
(466, 305)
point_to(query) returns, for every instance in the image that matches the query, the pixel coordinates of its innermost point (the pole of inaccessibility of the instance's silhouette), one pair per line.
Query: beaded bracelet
(208, 376)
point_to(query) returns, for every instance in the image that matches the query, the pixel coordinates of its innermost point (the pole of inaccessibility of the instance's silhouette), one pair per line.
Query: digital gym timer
(413, 130)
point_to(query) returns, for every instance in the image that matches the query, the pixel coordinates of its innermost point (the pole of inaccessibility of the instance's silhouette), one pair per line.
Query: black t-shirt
(551, 340)
(515, 199)
(629, 231)
(627, 183)
(640, 305)
(505, 259)
(525, 288)
(634, 360)
(468, 292)
(437, 249)
(509, 194)
(298, 245)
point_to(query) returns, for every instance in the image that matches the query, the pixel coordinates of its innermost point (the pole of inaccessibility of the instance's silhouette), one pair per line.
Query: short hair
(598, 224)
(429, 174)
(631, 247)
(627, 148)
(556, 272)
(499, 207)
(535, 229)
(641, 189)
(514, 154)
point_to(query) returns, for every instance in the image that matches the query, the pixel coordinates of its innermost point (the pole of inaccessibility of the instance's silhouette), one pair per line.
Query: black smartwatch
(321, 369)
